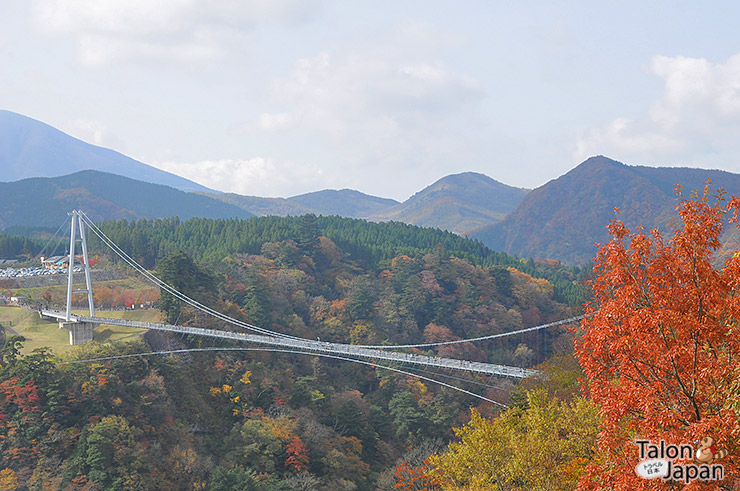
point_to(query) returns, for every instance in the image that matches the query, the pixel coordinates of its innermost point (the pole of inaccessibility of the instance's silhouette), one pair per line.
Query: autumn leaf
(658, 347)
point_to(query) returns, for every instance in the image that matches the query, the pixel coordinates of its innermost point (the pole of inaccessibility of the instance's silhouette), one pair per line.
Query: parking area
(8, 273)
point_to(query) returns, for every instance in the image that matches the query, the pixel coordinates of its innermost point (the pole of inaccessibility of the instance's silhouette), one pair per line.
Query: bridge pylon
(78, 223)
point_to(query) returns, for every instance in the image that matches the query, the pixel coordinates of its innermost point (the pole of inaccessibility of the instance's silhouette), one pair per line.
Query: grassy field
(41, 333)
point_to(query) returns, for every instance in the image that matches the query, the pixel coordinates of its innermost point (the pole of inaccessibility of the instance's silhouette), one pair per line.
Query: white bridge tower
(79, 332)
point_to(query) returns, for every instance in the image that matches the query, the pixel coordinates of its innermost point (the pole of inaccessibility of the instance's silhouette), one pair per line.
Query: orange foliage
(108, 296)
(414, 478)
(434, 333)
(339, 305)
(298, 456)
(659, 348)
(399, 259)
(25, 397)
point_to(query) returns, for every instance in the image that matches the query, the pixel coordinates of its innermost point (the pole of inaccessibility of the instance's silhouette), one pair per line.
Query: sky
(283, 97)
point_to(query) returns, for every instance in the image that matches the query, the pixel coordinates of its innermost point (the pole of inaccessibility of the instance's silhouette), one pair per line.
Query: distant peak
(32, 148)
(600, 160)
(465, 178)
(8, 115)
(467, 174)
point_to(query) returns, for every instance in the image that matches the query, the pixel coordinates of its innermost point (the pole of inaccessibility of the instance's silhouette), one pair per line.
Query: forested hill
(241, 419)
(458, 203)
(373, 245)
(45, 201)
(566, 217)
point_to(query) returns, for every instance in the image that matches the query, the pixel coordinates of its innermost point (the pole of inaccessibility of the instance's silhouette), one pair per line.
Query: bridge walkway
(312, 346)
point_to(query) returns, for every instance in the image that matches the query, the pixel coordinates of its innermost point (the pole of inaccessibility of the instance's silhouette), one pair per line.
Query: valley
(465, 258)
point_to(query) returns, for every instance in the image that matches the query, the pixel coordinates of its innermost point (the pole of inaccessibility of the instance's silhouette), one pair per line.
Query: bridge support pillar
(79, 332)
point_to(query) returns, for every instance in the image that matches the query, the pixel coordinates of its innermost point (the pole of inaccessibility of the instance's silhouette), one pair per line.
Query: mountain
(345, 202)
(564, 218)
(262, 206)
(45, 201)
(30, 148)
(459, 203)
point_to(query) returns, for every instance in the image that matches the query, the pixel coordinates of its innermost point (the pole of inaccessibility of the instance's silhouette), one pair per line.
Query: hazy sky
(282, 97)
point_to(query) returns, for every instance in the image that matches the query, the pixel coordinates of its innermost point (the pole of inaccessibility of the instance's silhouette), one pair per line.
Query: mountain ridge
(460, 202)
(342, 202)
(457, 202)
(564, 218)
(31, 148)
(45, 201)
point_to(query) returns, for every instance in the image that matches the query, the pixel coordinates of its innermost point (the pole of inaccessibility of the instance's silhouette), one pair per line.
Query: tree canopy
(660, 346)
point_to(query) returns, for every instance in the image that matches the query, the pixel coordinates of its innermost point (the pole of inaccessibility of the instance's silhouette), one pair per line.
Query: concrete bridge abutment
(79, 332)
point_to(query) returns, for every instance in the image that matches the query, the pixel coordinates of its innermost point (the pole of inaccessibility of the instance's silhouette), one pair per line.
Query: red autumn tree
(660, 345)
(409, 478)
(298, 456)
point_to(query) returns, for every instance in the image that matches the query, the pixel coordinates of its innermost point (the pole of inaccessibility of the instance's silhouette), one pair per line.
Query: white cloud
(707, 90)
(95, 132)
(99, 50)
(392, 107)
(332, 93)
(621, 136)
(179, 30)
(363, 100)
(257, 176)
(275, 122)
(696, 121)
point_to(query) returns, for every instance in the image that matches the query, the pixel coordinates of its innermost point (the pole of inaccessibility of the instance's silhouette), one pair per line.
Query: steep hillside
(30, 148)
(45, 201)
(240, 419)
(458, 203)
(565, 218)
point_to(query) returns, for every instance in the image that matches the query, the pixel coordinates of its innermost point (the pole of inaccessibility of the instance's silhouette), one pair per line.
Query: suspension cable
(113, 246)
(480, 338)
(168, 288)
(342, 358)
(54, 237)
(460, 379)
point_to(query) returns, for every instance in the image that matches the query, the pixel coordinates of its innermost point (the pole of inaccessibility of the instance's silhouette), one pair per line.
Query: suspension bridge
(81, 327)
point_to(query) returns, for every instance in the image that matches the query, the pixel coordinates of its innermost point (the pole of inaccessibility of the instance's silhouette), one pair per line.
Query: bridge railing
(308, 345)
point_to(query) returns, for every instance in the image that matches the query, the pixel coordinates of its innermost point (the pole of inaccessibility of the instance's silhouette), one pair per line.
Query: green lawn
(41, 333)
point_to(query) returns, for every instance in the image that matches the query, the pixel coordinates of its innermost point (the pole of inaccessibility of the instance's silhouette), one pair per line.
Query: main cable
(171, 290)
(113, 246)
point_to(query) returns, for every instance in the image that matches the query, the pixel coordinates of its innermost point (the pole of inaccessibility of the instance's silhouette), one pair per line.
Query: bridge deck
(308, 345)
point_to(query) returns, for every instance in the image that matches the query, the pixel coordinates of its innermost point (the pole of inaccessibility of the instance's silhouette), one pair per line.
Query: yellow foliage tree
(546, 446)
(8, 480)
(282, 428)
